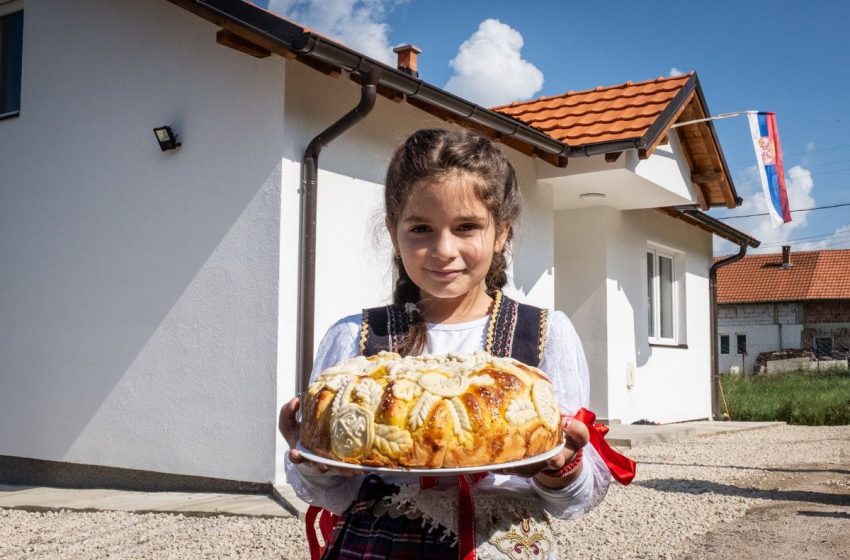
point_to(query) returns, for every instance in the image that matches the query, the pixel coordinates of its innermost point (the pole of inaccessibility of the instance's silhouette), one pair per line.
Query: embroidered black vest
(515, 330)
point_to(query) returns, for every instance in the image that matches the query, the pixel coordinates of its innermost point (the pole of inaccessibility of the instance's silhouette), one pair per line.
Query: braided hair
(434, 155)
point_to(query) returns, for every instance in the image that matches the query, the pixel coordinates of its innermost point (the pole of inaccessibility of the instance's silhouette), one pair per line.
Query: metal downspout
(716, 405)
(307, 238)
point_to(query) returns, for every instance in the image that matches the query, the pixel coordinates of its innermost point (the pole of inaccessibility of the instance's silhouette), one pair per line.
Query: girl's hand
(289, 428)
(576, 435)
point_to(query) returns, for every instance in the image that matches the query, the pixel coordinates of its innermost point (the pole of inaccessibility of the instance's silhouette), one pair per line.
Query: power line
(836, 238)
(821, 239)
(799, 210)
(804, 152)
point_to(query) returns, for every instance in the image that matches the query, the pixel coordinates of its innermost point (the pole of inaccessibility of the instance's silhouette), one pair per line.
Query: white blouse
(564, 362)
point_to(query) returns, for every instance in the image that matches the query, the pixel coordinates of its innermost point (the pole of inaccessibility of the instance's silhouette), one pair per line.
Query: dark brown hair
(434, 155)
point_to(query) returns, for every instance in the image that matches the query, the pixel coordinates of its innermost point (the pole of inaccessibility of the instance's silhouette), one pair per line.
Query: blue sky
(788, 57)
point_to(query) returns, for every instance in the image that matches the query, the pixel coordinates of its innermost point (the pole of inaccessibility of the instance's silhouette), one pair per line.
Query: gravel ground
(684, 492)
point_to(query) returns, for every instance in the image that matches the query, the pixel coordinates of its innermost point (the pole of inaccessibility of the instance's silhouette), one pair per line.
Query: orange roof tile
(761, 278)
(603, 114)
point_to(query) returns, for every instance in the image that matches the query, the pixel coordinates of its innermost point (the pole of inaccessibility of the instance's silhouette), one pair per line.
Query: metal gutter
(304, 42)
(716, 390)
(723, 230)
(307, 237)
(743, 240)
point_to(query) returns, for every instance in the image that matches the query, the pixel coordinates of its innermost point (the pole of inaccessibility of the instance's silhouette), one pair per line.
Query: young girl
(451, 200)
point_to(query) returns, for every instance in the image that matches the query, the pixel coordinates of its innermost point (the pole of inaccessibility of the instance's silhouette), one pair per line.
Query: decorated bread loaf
(430, 411)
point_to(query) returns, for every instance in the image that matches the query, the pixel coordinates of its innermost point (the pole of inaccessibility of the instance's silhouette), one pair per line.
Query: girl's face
(446, 239)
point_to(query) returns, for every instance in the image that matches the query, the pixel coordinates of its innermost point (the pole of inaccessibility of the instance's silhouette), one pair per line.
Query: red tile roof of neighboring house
(602, 114)
(761, 278)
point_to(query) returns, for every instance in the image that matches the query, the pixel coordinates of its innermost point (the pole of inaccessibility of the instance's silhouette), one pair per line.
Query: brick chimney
(407, 59)
(786, 256)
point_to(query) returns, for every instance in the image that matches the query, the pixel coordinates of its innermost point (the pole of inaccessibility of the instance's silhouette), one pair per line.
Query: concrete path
(283, 501)
(629, 435)
(189, 503)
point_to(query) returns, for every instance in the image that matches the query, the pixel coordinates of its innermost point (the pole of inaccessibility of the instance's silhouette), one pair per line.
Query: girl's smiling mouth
(445, 274)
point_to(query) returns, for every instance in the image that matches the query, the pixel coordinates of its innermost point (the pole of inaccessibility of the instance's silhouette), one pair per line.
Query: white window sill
(661, 344)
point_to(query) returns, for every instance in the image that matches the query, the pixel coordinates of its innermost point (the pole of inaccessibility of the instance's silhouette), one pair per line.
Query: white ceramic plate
(430, 472)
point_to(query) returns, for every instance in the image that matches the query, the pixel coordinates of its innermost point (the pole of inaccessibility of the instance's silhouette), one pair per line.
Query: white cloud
(676, 72)
(358, 24)
(839, 239)
(807, 154)
(489, 68)
(799, 185)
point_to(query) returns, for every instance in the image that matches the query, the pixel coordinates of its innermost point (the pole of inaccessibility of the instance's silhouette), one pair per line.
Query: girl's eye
(419, 229)
(468, 227)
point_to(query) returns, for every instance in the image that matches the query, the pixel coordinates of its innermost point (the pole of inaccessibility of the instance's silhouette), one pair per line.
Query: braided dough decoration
(430, 411)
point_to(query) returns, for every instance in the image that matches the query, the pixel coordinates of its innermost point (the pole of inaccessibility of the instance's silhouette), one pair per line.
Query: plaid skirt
(363, 535)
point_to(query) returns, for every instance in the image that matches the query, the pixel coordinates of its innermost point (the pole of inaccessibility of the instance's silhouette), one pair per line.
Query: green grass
(809, 399)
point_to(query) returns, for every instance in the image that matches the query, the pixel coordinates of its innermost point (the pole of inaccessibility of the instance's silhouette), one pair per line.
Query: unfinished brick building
(773, 302)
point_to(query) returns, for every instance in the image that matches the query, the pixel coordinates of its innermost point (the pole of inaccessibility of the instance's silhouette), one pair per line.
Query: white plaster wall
(670, 383)
(666, 167)
(532, 273)
(581, 292)
(138, 289)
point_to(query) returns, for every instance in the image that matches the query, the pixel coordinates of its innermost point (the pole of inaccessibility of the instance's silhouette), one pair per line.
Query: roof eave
(693, 216)
(738, 200)
(307, 44)
(668, 116)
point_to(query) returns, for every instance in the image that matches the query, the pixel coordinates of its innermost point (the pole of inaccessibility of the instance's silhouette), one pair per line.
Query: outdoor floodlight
(166, 138)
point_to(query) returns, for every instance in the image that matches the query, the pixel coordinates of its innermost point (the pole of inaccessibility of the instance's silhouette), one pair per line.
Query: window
(724, 343)
(11, 49)
(823, 346)
(661, 296)
(742, 343)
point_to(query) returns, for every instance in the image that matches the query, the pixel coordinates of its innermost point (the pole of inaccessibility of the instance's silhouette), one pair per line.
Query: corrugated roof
(603, 114)
(813, 275)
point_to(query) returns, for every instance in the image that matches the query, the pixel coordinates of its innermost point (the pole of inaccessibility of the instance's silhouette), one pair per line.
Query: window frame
(828, 337)
(654, 306)
(728, 345)
(10, 69)
(738, 337)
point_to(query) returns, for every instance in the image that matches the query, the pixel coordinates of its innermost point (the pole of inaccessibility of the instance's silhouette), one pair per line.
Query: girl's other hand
(289, 428)
(576, 436)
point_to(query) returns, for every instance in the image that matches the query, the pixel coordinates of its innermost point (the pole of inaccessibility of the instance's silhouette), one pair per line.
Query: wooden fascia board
(702, 198)
(727, 188)
(653, 136)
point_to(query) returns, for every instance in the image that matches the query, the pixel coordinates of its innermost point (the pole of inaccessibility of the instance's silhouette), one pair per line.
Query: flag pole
(714, 118)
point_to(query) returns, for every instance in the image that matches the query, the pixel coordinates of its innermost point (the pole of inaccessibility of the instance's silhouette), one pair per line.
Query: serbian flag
(769, 155)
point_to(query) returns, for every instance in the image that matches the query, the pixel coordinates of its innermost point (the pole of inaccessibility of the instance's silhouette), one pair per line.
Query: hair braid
(434, 155)
(407, 292)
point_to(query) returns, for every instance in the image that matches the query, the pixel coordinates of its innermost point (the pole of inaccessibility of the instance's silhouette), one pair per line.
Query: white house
(150, 299)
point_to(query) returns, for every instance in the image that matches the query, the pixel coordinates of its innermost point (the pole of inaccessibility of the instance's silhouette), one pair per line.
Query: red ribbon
(327, 520)
(466, 511)
(622, 468)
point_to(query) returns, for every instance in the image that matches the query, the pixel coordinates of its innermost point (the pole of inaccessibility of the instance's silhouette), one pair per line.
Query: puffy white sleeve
(332, 492)
(564, 361)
